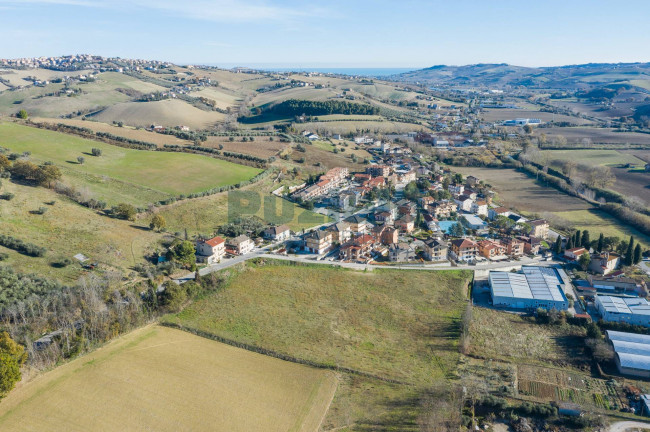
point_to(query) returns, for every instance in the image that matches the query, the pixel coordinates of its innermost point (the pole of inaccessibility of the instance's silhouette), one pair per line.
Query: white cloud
(208, 10)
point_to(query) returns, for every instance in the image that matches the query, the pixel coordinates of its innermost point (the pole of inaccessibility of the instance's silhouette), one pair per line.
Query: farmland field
(162, 379)
(631, 182)
(511, 338)
(400, 325)
(126, 132)
(519, 191)
(169, 113)
(120, 174)
(575, 135)
(262, 146)
(498, 114)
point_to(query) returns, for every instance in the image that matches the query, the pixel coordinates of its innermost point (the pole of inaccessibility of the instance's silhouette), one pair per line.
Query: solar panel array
(538, 283)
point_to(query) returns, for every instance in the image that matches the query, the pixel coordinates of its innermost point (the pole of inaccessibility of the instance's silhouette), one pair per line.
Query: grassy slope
(67, 229)
(166, 380)
(397, 324)
(594, 157)
(204, 215)
(597, 221)
(145, 172)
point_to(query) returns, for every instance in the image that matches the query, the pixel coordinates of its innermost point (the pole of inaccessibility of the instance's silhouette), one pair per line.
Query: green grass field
(400, 325)
(120, 174)
(162, 379)
(67, 229)
(597, 222)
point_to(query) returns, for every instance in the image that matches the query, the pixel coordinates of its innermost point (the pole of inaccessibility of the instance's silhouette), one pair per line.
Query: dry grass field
(169, 113)
(509, 337)
(518, 191)
(67, 229)
(161, 379)
(262, 146)
(402, 325)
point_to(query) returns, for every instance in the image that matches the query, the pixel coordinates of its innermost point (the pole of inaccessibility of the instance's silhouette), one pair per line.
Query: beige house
(318, 241)
(435, 250)
(210, 251)
(514, 247)
(539, 228)
(240, 245)
(574, 254)
(405, 223)
(605, 263)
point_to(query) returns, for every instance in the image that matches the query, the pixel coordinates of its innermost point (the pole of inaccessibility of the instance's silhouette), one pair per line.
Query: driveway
(628, 426)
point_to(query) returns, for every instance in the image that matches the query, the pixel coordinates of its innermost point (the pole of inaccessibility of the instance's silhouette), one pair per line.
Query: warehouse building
(631, 310)
(532, 288)
(632, 353)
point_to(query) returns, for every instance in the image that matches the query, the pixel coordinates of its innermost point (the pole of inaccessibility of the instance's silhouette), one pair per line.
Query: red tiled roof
(214, 241)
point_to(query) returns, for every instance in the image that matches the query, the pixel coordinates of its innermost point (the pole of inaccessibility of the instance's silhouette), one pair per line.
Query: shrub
(61, 262)
(21, 247)
(7, 196)
(96, 152)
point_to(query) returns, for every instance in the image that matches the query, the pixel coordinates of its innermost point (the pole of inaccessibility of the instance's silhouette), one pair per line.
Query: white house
(210, 251)
(480, 207)
(277, 233)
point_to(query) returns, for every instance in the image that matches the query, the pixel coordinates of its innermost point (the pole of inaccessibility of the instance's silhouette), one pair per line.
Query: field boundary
(280, 356)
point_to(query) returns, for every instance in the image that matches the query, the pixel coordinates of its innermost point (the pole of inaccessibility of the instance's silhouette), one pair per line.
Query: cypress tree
(576, 238)
(637, 253)
(585, 239)
(558, 245)
(569, 243)
(629, 255)
(601, 243)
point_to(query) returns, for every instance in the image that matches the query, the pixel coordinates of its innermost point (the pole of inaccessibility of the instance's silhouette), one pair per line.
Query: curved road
(628, 426)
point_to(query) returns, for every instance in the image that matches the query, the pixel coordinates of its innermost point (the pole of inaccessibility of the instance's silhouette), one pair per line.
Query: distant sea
(370, 72)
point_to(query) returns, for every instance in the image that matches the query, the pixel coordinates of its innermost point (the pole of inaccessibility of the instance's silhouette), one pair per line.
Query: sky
(332, 33)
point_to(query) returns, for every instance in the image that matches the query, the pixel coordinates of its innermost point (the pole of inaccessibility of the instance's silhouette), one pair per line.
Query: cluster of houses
(456, 227)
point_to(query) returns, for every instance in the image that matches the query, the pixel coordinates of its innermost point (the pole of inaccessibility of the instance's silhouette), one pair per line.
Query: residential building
(514, 247)
(357, 248)
(604, 263)
(358, 224)
(471, 181)
(378, 170)
(464, 203)
(539, 228)
(389, 236)
(631, 310)
(384, 217)
(574, 253)
(318, 241)
(391, 208)
(240, 245)
(407, 208)
(463, 249)
(426, 201)
(491, 249)
(479, 207)
(341, 232)
(456, 189)
(495, 212)
(210, 251)
(401, 252)
(326, 183)
(435, 249)
(631, 353)
(406, 223)
(277, 233)
(442, 209)
(532, 245)
(532, 288)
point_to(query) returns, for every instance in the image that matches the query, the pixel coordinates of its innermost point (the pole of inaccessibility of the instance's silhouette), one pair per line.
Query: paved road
(628, 426)
(310, 259)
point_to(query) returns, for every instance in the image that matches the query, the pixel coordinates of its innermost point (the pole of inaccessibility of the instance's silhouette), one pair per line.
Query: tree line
(294, 107)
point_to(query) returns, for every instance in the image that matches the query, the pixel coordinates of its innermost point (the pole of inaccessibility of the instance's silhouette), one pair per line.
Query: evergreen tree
(601, 243)
(569, 242)
(558, 245)
(576, 238)
(585, 239)
(629, 255)
(637, 254)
